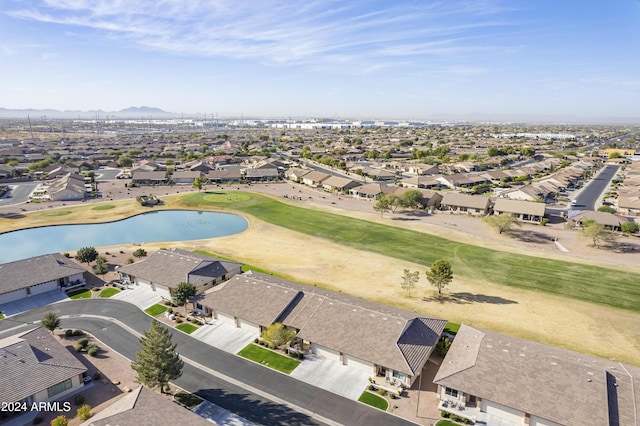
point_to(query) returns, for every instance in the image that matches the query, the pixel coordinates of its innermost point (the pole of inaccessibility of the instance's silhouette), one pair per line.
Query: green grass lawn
(80, 293)
(188, 399)
(589, 283)
(187, 327)
(269, 358)
(104, 207)
(374, 400)
(452, 327)
(447, 423)
(108, 292)
(155, 310)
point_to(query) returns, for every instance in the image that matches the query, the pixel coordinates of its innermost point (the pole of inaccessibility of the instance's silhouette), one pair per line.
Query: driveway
(32, 302)
(332, 376)
(224, 336)
(219, 416)
(141, 296)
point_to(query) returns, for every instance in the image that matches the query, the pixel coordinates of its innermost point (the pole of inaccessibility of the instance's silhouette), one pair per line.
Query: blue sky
(358, 59)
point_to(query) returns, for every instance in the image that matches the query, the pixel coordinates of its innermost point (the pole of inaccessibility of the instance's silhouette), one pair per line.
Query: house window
(60, 387)
(451, 392)
(400, 376)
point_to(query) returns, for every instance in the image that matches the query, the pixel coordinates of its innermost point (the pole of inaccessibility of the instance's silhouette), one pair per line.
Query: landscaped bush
(66, 254)
(445, 414)
(130, 260)
(121, 251)
(78, 347)
(78, 333)
(256, 340)
(83, 342)
(178, 320)
(544, 221)
(371, 387)
(382, 392)
(93, 350)
(79, 399)
(68, 333)
(84, 412)
(97, 375)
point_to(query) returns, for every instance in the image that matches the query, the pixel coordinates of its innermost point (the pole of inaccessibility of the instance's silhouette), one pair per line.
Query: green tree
(140, 253)
(124, 161)
(278, 334)
(412, 199)
(157, 362)
(440, 274)
(197, 183)
(182, 293)
(630, 228)
(596, 232)
(502, 222)
(409, 280)
(101, 266)
(383, 204)
(606, 209)
(50, 321)
(86, 254)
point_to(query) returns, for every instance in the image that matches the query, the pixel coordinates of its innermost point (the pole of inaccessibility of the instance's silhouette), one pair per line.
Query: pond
(159, 226)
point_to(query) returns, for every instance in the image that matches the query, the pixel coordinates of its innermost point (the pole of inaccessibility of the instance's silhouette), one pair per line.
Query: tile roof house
(36, 368)
(224, 175)
(610, 221)
(339, 184)
(476, 205)
(499, 379)
(37, 275)
(185, 177)
(144, 407)
(165, 269)
(369, 191)
(149, 178)
(68, 187)
(332, 325)
(521, 211)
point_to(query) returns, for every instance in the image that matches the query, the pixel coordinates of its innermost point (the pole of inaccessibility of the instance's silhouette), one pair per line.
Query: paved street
(272, 399)
(589, 195)
(18, 193)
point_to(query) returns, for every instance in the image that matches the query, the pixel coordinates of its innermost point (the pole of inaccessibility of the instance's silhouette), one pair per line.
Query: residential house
(149, 178)
(495, 176)
(165, 269)
(475, 205)
(185, 177)
(69, 187)
(422, 169)
(629, 203)
(339, 184)
(36, 368)
(456, 181)
(145, 407)
(224, 175)
(314, 178)
(498, 379)
(37, 275)
(608, 220)
(427, 182)
(329, 325)
(379, 174)
(525, 193)
(265, 174)
(521, 211)
(369, 191)
(295, 174)
(197, 166)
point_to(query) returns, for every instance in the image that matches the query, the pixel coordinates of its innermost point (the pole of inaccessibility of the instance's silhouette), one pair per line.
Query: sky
(419, 59)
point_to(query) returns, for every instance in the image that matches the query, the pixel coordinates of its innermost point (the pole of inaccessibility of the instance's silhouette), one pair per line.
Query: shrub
(544, 221)
(107, 253)
(371, 387)
(79, 347)
(66, 254)
(394, 396)
(97, 375)
(60, 421)
(445, 414)
(121, 251)
(93, 350)
(79, 399)
(178, 320)
(256, 340)
(68, 333)
(95, 288)
(129, 260)
(382, 392)
(78, 333)
(170, 310)
(83, 342)
(84, 412)
(167, 303)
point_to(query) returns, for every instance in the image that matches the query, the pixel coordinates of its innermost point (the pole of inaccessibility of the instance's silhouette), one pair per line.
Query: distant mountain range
(131, 112)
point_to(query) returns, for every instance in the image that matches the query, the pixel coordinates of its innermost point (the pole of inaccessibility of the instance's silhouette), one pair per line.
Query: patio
(472, 413)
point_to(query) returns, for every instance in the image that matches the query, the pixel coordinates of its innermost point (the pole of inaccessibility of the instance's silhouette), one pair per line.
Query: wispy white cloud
(360, 35)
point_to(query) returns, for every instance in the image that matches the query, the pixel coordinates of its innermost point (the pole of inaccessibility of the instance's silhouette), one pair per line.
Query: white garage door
(503, 412)
(163, 291)
(358, 363)
(247, 325)
(325, 352)
(12, 296)
(43, 288)
(229, 319)
(143, 283)
(538, 421)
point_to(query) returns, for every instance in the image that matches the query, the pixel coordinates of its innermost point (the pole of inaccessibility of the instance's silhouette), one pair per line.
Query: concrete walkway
(332, 376)
(141, 296)
(32, 302)
(224, 336)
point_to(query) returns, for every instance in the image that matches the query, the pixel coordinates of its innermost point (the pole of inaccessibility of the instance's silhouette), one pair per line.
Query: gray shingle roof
(171, 267)
(507, 205)
(36, 270)
(31, 362)
(556, 384)
(377, 333)
(464, 200)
